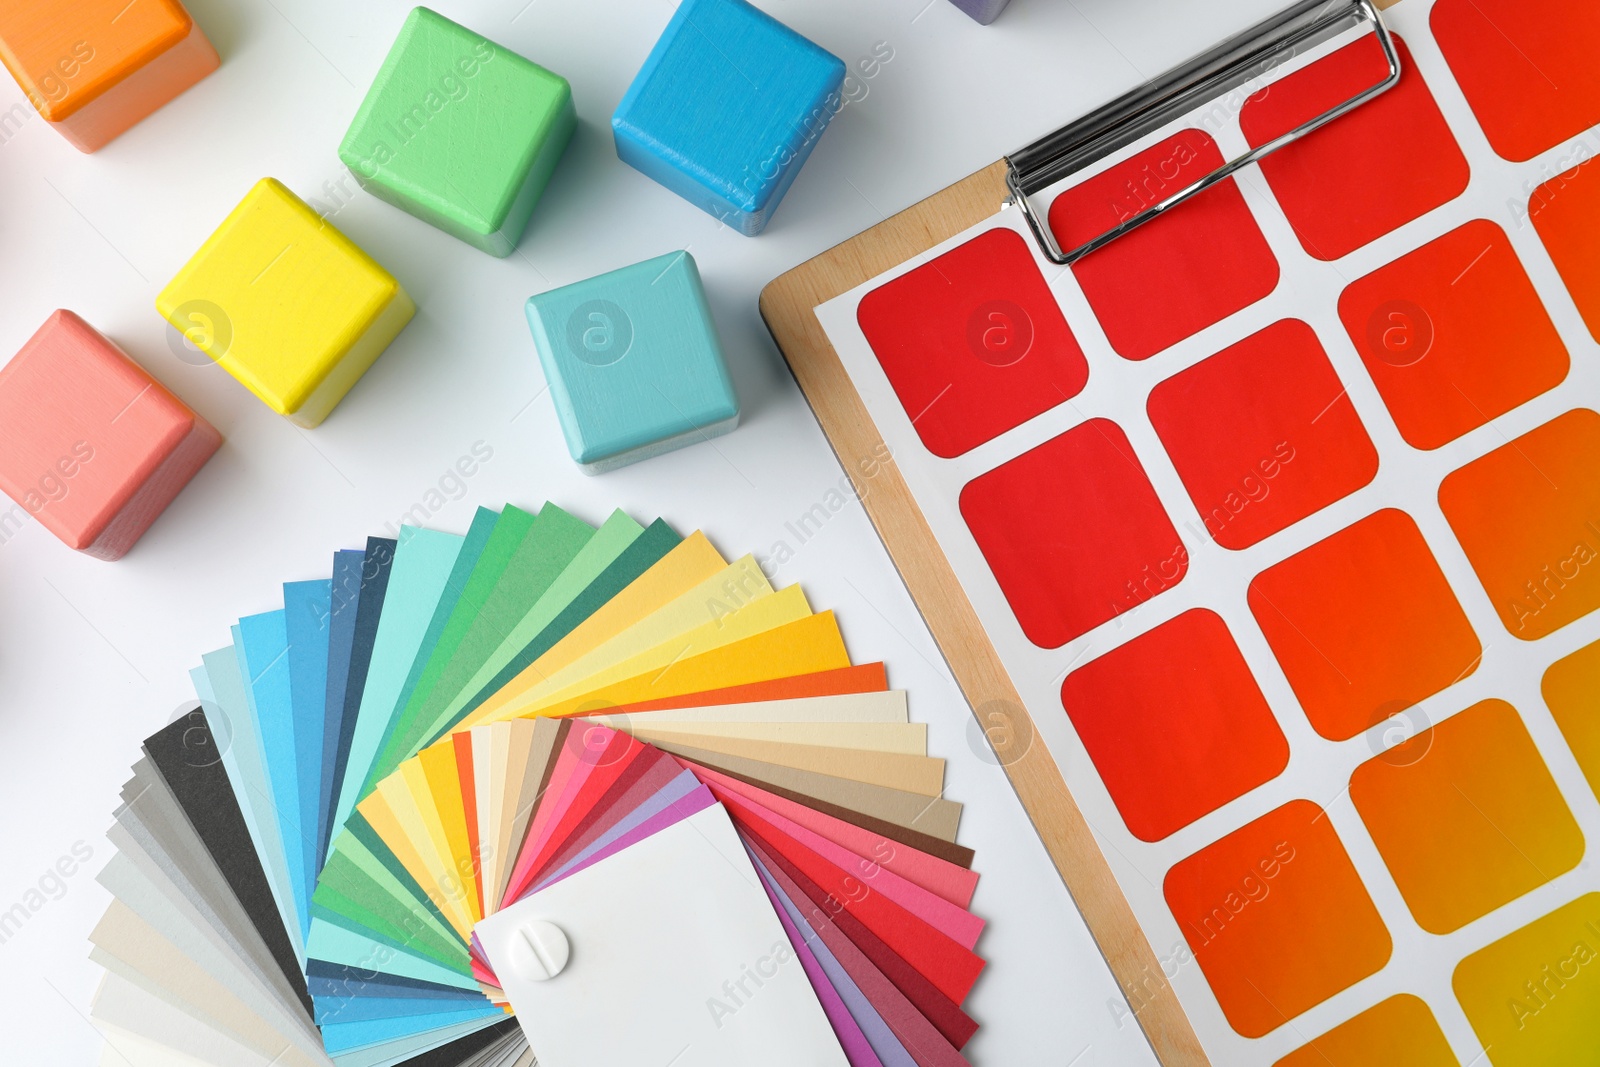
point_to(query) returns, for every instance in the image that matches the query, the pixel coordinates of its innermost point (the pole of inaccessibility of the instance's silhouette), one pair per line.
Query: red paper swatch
(1527, 67)
(1436, 326)
(949, 966)
(973, 343)
(1175, 724)
(1263, 434)
(1389, 161)
(943, 1012)
(1172, 277)
(1074, 533)
(904, 1017)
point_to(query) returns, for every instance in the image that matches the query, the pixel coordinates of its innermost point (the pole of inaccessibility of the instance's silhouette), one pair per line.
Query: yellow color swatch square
(1533, 997)
(1466, 816)
(286, 303)
(1400, 1030)
(1572, 692)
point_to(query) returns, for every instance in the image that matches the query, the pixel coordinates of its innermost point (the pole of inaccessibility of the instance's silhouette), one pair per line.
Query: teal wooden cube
(727, 108)
(633, 362)
(460, 132)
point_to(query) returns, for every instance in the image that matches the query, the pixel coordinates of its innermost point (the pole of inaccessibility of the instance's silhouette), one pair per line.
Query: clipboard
(789, 306)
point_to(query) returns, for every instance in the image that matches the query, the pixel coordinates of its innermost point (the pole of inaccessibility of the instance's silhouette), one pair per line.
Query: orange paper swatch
(1364, 624)
(1466, 816)
(1277, 917)
(1528, 516)
(1400, 1030)
(1572, 692)
(1566, 212)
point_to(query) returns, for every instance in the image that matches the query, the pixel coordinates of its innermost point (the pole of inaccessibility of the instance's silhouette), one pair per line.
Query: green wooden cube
(460, 132)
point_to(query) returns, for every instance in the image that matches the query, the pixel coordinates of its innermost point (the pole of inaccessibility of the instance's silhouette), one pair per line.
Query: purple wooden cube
(985, 11)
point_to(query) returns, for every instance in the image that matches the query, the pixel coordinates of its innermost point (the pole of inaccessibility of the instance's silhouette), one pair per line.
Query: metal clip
(1233, 63)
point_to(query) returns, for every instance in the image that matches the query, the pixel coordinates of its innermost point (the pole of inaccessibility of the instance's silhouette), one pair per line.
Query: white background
(94, 656)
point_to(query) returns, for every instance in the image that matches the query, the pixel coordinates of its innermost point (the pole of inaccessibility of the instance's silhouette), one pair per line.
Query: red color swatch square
(90, 444)
(1391, 160)
(1364, 624)
(1527, 67)
(1074, 533)
(1277, 917)
(1263, 434)
(1435, 327)
(1203, 260)
(1175, 724)
(973, 343)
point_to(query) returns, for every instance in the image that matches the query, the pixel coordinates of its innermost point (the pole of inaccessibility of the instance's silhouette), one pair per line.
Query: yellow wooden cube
(286, 303)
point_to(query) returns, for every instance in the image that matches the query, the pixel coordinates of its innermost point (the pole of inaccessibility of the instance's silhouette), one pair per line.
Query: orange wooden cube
(90, 444)
(93, 68)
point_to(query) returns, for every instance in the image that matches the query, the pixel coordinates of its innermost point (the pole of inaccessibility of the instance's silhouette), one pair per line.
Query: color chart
(600, 777)
(1282, 513)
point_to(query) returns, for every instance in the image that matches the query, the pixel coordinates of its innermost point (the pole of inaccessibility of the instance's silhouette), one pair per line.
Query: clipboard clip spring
(1233, 63)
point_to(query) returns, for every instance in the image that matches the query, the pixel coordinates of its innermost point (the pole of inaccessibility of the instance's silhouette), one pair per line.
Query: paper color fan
(598, 781)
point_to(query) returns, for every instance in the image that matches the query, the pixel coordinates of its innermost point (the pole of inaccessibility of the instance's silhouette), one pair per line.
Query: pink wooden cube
(90, 444)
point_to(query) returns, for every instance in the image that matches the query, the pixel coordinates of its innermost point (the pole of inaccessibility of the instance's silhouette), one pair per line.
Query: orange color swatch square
(973, 343)
(1175, 724)
(1206, 257)
(1263, 434)
(1466, 816)
(1566, 213)
(1325, 181)
(1533, 997)
(1571, 690)
(90, 444)
(1528, 517)
(1527, 67)
(1434, 329)
(1364, 624)
(1400, 1030)
(1277, 917)
(1074, 533)
(93, 68)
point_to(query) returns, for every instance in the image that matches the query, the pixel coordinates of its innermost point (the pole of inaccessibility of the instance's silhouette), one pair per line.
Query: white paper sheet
(676, 957)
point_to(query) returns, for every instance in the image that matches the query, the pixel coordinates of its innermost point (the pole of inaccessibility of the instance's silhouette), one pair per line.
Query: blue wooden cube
(633, 362)
(727, 108)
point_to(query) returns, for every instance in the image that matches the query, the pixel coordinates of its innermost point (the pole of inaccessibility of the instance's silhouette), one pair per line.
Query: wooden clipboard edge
(787, 306)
